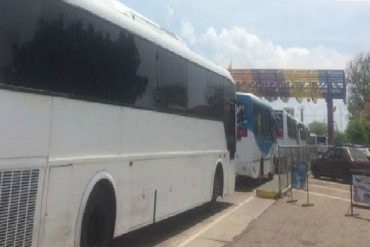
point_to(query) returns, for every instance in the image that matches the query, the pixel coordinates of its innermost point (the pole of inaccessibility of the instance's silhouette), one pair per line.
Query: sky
(270, 34)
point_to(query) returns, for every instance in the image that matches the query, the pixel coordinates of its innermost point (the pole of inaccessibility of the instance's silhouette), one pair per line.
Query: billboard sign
(310, 84)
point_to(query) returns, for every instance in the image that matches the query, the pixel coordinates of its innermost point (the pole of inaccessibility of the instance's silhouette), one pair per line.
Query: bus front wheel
(98, 220)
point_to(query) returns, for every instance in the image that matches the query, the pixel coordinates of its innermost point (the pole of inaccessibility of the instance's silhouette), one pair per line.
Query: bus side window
(173, 83)
(241, 120)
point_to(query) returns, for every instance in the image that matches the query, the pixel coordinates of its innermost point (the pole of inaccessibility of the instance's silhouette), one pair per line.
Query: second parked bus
(255, 147)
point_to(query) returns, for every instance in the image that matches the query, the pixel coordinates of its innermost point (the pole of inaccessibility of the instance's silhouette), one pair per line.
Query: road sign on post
(360, 190)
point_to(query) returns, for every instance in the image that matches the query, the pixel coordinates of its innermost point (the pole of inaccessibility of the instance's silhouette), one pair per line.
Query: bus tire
(99, 218)
(217, 189)
(262, 168)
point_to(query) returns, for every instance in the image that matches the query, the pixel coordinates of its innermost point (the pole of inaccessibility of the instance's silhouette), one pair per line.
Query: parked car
(339, 161)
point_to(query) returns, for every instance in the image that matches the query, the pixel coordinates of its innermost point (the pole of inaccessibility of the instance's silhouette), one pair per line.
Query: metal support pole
(291, 187)
(351, 200)
(302, 118)
(308, 204)
(330, 105)
(351, 188)
(279, 173)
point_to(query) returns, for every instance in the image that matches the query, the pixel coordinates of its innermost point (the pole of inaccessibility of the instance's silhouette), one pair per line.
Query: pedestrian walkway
(325, 224)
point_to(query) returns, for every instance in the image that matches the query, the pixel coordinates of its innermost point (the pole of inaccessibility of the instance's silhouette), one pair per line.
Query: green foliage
(318, 128)
(358, 131)
(339, 138)
(358, 79)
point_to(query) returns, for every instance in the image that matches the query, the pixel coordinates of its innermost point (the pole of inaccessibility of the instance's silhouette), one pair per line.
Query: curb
(267, 194)
(271, 194)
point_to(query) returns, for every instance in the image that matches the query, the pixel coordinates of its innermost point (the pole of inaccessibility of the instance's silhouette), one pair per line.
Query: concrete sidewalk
(325, 224)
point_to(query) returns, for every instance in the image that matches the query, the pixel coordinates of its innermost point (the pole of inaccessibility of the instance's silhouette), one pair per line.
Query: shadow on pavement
(358, 217)
(244, 184)
(159, 232)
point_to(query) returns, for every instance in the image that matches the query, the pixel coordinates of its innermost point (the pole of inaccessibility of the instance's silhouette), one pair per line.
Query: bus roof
(255, 98)
(287, 113)
(121, 15)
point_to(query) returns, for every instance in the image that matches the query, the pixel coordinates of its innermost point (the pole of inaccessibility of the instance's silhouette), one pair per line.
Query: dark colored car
(339, 161)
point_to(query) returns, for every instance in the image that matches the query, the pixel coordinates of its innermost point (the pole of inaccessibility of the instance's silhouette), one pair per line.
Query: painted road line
(324, 187)
(326, 196)
(214, 222)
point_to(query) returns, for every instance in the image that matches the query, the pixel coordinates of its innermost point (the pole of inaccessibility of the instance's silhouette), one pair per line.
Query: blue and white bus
(255, 146)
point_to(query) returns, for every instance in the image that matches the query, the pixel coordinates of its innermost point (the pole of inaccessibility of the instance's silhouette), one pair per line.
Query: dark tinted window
(229, 116)
(146, 73)
(292, 127)
(279, 124)
(263, 121)
(173, 73)
(321, 139)
(340, 154)
(106, 61)
(35, 49)
(197, 89)
(56, 41)
(257, 120)
(303, 133)
(215, 96)
(330, 155)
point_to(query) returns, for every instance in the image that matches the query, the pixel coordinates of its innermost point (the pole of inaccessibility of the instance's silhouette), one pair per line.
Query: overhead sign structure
(284, 84)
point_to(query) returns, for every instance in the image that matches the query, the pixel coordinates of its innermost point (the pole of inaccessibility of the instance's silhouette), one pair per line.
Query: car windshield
(359, 154)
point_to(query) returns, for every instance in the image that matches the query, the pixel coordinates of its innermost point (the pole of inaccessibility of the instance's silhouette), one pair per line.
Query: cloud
(246, 50)
(170, 12)
(188, 33)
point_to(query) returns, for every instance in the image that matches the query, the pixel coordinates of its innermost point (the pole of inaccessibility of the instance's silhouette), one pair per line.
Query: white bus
(255, 146)
(320, 142)
(303, 133)
(286, 128)
(318, 139)
(108, 124)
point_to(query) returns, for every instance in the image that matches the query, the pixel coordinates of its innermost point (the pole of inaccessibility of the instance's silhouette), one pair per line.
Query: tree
(339, 138)
(318, 128)
(358, 79)
(358, 131)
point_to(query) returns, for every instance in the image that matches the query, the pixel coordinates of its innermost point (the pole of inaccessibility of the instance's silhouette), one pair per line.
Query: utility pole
(330, 104)
(301, 108)
(340, 120)
(330, 120)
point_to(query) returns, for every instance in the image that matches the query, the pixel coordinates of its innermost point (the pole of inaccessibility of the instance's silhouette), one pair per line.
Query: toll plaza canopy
(300, 84)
